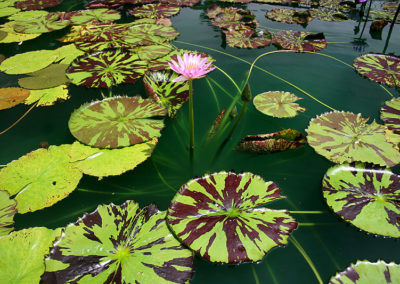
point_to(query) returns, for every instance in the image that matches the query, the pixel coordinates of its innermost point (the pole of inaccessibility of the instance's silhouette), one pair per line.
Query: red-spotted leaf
(106, 68)
(277, 104)
(247, 38)
(345, 137)
(300, 41)
(215, 216)
(155, 11)
(379, 68)
(390, 114)
(328, 15)
(84, 17)
(117, 122)
(289, 16)
(272, 142)
(119, 244)
(366, 196)
(36, 4)
(7, 212)
(368, 272)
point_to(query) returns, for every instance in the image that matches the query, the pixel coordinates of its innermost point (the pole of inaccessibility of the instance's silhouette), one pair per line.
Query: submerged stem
(308, 212)
(271, 272)
(191, 119)
(19, 119)
(256, 280)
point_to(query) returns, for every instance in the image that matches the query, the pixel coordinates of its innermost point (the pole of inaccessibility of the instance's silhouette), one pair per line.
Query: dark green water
(330, 243)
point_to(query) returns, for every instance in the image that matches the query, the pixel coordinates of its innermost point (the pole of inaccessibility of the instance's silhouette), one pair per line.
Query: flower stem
(191, 119)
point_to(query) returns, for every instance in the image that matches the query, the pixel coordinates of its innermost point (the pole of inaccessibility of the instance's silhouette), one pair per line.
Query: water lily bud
(233, 113)
(246, 94)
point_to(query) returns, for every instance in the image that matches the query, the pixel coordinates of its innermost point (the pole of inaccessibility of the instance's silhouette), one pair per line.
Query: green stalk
(237, 121)
(191, 119)
(391, 28)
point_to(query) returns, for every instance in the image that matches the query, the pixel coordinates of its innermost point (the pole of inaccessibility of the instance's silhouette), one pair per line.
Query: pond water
(330, 243)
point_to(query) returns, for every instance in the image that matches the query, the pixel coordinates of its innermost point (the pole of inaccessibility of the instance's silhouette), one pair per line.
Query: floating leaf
(390, 114)
(189, 3)
(345, 137)
(28, 15)
(289, 16)
(102, 15)
(67, 53)
(28, 62)
(379, 68)
(124, 244)
(49, 77)
(272, 142)
(40, 178)
(277, 104)
(36, 4)
(160, 87)
(106, 68)
(232, 18)
(366, 196)
(151, 52)
(368, 272)
(155, 11)
(149, 34)
(215, 216)
(247, 38)
(8, 11)
(109, 162)
(390, 6)
(13, 36)
(328, 15)
(300, 41)
(95, 32)
(44, 24)
(48, 97)
(7, 212)
(117, 122)
(10, 97)
(23, 252)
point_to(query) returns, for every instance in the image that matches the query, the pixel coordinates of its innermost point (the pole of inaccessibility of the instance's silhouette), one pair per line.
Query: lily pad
(117, 122)
(155, 11)
(328, 15)
(277, 104)
(36, 4)
(215, 216)
(102, 15)
(272, 142)
(366, 196)
(124, 244)
(40, 178)
(23, 252)
(13, 36)
(160, 87)
(390, 114)
(232, 18)
(7, 212)
(379, 68)
(67, 53)
(345, 137)
(151, 52)
(247, 38)
(8, 11)
(49, 77)
(390, 6)
(44, 24)
(149, 34)
(368, 272)
(109, 162)
(289, 16)
(106, 68)
(95, 32)
(48, 97)
(187, 3)
(300, 41)
(13, 96)
(28, 15)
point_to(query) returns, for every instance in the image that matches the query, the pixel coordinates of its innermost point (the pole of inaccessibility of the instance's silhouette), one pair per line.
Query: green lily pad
(149, 34)
(40, 178)
(49, 77)
(109, 162)
(13, 96)
(345, 137)
(300, 41)
(8, 11)
(13, 36)
(28, 15)
(368, 272)
(277, 104)
(247, 38)
(117, 122)
(155, 11)
(124, 244)
(379, 68)
(101, 15)
(151, 52)
(289, 16)
(67, 53)
(390, 114)
(23, 252)
(159, 85)
(215, 216)
(366, 196)
(272, 142)
(44, 24)
(36, 4)
(328, 15)
(106, 68)
(28, 62)
(48, 97)
(7, 212)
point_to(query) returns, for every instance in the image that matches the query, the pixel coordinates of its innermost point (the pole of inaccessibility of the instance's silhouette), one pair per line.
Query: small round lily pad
(277, 104)
(13, 96)
(300, 41)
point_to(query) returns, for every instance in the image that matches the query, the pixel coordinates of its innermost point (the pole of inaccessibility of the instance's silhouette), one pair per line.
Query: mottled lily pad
(40, 178)
(7, 212)
(151, 52)
(149, 34)
(155, 11)
(247, 38)
(390, 114)
(36, 4)
(124, 244)
(95, 32)
(232, 18)
(300, 41)
(48, 97)
(277, 104)
(160, 87)
(10, 97)
(188, 3)
(215, 216)
(272, 142)
(49, 77)
(103, 15)
(345, 137)
(366, 196)
(44, 24)
(23, 252)
(379, 68)
(368, 272)
(289, 16)
(328, 15)
(117, 122)
(109, 162)
(106, 68)
(13, 36)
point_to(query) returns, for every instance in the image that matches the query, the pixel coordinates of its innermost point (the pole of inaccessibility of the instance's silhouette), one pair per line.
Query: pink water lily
(191, 66)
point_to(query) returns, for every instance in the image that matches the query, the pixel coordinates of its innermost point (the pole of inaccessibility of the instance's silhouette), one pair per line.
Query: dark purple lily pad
(300, 41)
(328, 15)
(117, 122)
(289, 16)
(390, 114)
(272, 142)
(36, 4)
(247, 38)
(155, 11)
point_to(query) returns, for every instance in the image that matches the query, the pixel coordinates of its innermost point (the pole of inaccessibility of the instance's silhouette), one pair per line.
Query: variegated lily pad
(390, 114)
(272, 142)
(368, 272)
(188, 3)
(277, 104)
(40, 178)
(328, 15)
(124, 244)
(7, 212)
(155, 11)
(232, 18)
(215, 216)
(151, 52)
(117, 122)
(247, 38)
(160, 87)
(366, 196)
(48, 97)
(289, 16)
(49, 77)
(13, 36)
(36, 4)
(149, 34)
(345, 137)
(44, 24)
(300, 41)
(379, 68)
(13, 96)
(103, 15)
(106, 68)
